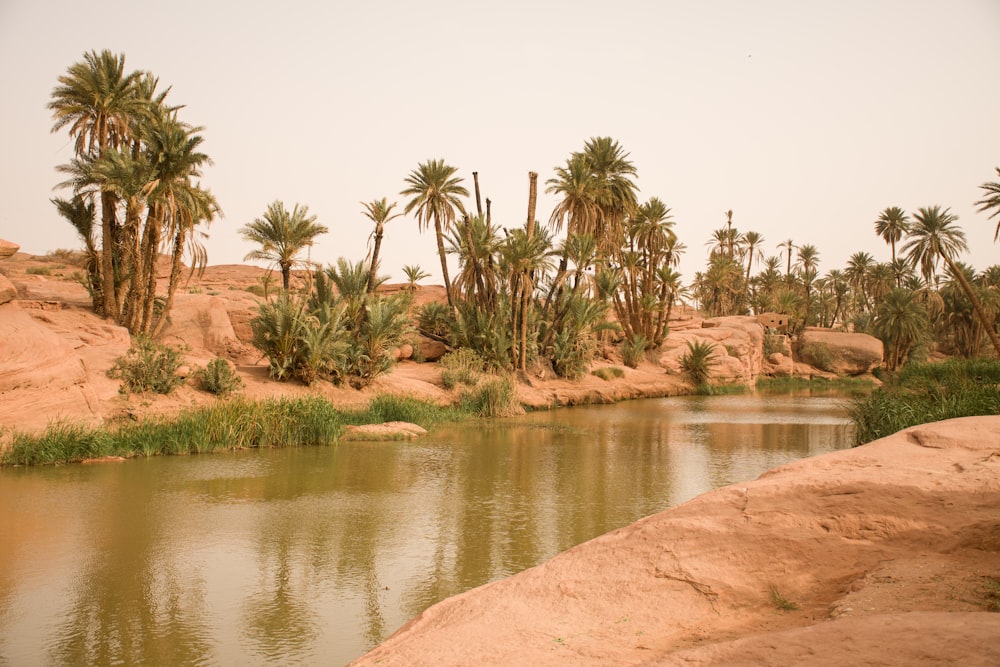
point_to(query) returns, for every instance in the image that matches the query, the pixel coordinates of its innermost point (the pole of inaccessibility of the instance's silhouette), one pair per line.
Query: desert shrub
(774, 344)
(818, 355)
(488, 333)
(38, 271)
(219, 377)
(463, 366)
(575, 341)
(633, 350)
(148, 366)
(608, 372)
(435, 318)
(496, 397)
(698, 362)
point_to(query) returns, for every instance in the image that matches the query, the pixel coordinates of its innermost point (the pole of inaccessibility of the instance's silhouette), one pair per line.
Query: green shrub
(608, 372)
(463, 366)
(817, 355)
(774, 344)
(435, 318)
(219, 377)
(633, 350)
(698, 362)
(148, 366)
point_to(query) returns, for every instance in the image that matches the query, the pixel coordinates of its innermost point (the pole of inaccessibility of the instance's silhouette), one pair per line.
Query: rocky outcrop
(890, 544)
(738, 348)
(7, 290)
(840, 353)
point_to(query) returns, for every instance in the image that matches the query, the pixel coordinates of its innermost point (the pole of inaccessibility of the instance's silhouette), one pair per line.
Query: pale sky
(805, 118)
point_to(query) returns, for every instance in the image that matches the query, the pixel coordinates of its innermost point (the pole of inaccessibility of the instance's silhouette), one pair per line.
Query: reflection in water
(311, 556)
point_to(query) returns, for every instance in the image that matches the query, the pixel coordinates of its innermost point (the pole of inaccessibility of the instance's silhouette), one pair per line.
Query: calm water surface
(312, 556)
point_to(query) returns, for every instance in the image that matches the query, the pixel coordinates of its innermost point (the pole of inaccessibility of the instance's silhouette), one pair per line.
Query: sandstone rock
(7, 290)
(841, 353)
(386, 431)
(432, 350)
(8, 249)
(885, 539)
(738, 344)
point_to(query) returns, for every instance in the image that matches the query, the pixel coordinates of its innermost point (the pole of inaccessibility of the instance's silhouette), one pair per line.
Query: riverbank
(888, 553)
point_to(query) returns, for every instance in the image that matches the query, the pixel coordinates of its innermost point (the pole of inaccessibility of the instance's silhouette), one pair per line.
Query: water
(312, 556)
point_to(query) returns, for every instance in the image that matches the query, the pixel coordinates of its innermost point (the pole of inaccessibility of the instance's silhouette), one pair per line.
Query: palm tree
(901, 323)
(435, 192)
(614, 191)
(80, 213)
(97, 99)
(414, 274)
(577, 207)
(934, 236)
(788, 246)
(753, 242)
(378, 211)
(991, 201)
(282, 236)
(891, 225)
(858, 267)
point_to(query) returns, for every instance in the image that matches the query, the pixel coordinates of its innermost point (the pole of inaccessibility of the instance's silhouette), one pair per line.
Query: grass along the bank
(923, 393)
(226, 425)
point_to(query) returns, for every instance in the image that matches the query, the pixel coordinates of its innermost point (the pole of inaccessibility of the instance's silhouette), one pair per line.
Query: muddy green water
(312, 556)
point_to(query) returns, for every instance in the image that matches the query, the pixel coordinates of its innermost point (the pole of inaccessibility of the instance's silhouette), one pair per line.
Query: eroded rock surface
(889, 544)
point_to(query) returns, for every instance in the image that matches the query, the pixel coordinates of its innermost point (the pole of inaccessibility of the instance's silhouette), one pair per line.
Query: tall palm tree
(891, 225)
(991, 201)
(435, 192)
(380, 212)
(577, 208)
(97, 99)
(282, 235)
(787, 247)
(614, 191)
(753, 241)
(934, 236)
(858, 267)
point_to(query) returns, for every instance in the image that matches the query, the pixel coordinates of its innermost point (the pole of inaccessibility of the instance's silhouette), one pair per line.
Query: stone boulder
(8, 292)
(386, 431)
(839, 352)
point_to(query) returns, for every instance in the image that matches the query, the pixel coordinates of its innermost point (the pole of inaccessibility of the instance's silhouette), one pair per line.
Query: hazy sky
(805, 118)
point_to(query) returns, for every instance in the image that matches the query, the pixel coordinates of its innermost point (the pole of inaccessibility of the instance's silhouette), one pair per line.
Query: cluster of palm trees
(519, 296)
(140, 163)
(906, 302)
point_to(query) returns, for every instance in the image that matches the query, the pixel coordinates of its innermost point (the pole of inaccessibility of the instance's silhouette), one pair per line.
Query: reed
(923, 393)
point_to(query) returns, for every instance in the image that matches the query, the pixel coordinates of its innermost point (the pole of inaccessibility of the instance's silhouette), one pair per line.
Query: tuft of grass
(496, 397)
(608, 372)
(780, 601)
(38, 271)
(991, 594)
(633, 350)
(463, 366)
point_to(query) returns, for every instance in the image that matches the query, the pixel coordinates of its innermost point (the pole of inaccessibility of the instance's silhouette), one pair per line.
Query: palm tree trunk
(439, 233)
(374, 266)
(479, 203)
(976, 305)
(175, 273)
(526, 282)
